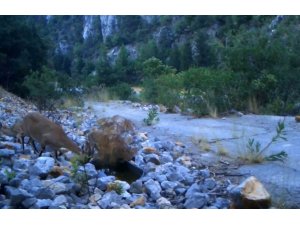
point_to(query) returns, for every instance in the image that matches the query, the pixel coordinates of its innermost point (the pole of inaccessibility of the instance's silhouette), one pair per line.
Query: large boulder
(250, 194)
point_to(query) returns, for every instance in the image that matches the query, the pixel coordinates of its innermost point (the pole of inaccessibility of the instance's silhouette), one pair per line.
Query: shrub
(207, 91)
(152, 117)
(255, 152)
(43, 88)
(121, 91)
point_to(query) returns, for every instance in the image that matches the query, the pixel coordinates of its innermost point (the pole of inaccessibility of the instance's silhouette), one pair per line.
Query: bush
(207, 91)
(43, 88)
(255, 153)
(152, 117)
(160, 83)
(121, 91)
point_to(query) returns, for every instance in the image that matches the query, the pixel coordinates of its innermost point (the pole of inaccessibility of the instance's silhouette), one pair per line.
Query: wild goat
(44, 131)
(109, 149)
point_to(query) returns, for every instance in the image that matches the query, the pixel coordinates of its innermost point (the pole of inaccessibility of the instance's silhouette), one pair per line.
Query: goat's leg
(33, 145)
(22, 142)
(42, 149)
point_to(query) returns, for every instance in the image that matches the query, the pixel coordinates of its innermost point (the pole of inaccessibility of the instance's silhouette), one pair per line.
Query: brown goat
(47, 133)
(110, 148)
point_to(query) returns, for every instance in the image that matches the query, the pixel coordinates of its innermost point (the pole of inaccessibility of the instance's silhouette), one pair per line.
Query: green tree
(43, 87)
(21, 50)
(186, 59)
(124, 69)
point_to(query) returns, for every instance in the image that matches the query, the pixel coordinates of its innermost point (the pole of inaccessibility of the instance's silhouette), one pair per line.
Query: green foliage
(21, 50)
(152, 117)
(10, 174)
(116, 186)
(159, 81)
(121, 91)
(186, 59)
(207, 89)
(263, 61)
(255, 152)
(79, 177)
(153, 68)
(43, 87)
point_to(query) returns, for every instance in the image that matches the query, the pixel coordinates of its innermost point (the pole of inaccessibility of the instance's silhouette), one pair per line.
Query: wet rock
(195, 188)
(180, 174)
(95, 198)
(141, 201)
(168, 185)
(42, 167)
(108, 199)
(16, 196)
(139, 160)
(21, 164)
(62, 179)
(153, 158)
(149, 167)
(180, 191)
(29, 202)
(222, 203)
(42, 204)
(125, 206)
(196, 200)
(6, 153)
(153, 189)
(209, 183)
(167, 145)
(56, 187)
(250, 194)
(166, 157)
(45, 193)
(32, 185)
(15, 182)
(163, 203)
(160, 177)
(89, 169)
(205, 173)
(59, 201)
(136, 187)
(104, 181)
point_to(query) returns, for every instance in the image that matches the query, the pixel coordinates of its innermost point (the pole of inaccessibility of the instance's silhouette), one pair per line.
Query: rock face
(250, 194)
(113, 142)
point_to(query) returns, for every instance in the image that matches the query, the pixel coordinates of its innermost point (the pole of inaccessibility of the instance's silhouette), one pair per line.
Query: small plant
(10, 174)
(256, 152)
(221, 150)
(152, 117)
(202, 143)
(115, 186)
(79, 177)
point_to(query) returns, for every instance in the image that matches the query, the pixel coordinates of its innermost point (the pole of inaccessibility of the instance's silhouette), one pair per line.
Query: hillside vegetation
(203, 64)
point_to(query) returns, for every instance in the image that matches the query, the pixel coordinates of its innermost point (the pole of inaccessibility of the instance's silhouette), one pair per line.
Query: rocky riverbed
(171, 179)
